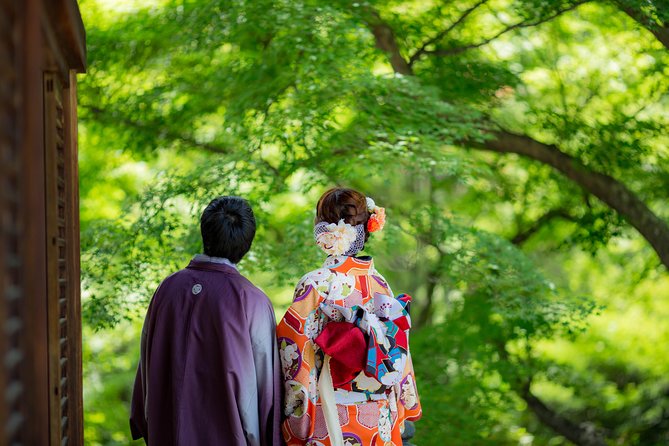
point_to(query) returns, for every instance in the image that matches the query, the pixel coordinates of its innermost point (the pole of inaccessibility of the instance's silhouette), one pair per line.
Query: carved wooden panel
(58, 297)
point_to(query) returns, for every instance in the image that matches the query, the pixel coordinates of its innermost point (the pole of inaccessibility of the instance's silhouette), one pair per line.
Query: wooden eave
(65, 33)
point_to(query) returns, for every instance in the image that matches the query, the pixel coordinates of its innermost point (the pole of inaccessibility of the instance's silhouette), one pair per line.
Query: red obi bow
(345, 343)
(352, 350)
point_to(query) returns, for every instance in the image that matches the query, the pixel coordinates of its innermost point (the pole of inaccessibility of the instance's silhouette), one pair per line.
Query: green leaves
(278, 100)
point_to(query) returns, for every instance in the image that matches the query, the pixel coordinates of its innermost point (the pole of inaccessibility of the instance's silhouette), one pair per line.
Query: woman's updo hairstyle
(343, 203)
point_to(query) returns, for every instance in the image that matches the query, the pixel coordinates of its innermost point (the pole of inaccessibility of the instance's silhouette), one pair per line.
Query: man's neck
(210, 259)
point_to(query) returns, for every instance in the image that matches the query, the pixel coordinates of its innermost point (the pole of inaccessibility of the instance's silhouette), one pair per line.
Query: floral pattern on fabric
(327, 294)
(408, 395)
(350, 439)
(290, 357)
(313, 325)
(295, 399)
(385, 426)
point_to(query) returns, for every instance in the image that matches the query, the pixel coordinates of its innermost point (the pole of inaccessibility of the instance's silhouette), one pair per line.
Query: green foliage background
(540, 313)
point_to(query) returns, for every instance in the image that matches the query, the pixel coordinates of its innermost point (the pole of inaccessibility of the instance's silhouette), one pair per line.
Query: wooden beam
(30, 141)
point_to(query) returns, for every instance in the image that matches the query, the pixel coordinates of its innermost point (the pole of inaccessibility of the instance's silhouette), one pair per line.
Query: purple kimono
(209, 372)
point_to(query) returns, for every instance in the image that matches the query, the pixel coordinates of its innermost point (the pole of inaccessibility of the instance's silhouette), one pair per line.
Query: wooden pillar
(41, 47)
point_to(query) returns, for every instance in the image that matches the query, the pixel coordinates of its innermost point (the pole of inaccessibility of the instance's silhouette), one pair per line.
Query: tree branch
(519, 25)
(581, 435)
(609, 190)
(661, 32)
(522, 236)
(606, 188)
(423, 48)
(385, 41)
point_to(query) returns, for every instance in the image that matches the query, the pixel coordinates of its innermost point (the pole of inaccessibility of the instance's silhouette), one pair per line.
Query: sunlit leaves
(277, 100)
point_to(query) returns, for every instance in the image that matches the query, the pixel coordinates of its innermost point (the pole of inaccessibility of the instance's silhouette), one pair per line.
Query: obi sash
(357, 339)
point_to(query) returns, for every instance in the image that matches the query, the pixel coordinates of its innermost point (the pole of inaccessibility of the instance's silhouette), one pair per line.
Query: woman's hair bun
(343, 203)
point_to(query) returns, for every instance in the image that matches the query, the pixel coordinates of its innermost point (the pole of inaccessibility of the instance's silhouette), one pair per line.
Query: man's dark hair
(228, 227)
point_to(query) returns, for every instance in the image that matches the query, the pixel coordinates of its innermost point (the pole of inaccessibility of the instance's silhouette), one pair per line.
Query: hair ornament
(339, 238)
(377, 219)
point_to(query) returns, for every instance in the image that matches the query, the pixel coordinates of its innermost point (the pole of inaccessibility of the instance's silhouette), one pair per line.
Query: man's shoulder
(171, 280)
(251, 290)
(216, 276)
(215, 284)
(178, 277)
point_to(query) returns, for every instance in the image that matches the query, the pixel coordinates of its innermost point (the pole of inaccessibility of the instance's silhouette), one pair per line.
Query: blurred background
(520, 148)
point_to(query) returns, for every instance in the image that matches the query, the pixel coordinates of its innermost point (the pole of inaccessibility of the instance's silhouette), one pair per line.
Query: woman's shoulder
(378, 279)
(326, 283)
(310, 283)
(315, 276)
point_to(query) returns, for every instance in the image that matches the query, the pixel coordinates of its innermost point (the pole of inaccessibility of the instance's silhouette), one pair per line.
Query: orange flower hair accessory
(377, 220)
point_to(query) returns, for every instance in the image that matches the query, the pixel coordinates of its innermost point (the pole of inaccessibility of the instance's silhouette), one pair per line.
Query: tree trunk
(385, 41)
(427, 310)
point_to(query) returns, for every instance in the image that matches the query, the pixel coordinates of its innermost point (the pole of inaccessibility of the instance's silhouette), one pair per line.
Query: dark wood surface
(32, 240)
(39, 226)
(10, 349)
(76, 408)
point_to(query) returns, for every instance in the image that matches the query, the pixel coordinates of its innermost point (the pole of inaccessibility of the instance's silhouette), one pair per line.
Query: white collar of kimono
(219, 260)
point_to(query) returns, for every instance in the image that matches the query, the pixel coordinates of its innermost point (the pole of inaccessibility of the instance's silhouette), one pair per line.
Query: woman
(343, 342)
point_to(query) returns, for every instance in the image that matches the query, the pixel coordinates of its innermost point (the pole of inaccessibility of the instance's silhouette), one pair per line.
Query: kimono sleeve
(408, 403)
(300, 365)
(138, 410)
(138, 426)
(266, 361)
(406, 393)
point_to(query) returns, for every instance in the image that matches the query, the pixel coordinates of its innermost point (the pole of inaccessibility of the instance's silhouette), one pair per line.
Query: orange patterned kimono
(367, 415)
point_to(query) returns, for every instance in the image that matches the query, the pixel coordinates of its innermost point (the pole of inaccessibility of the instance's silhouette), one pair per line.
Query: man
(209, 371)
